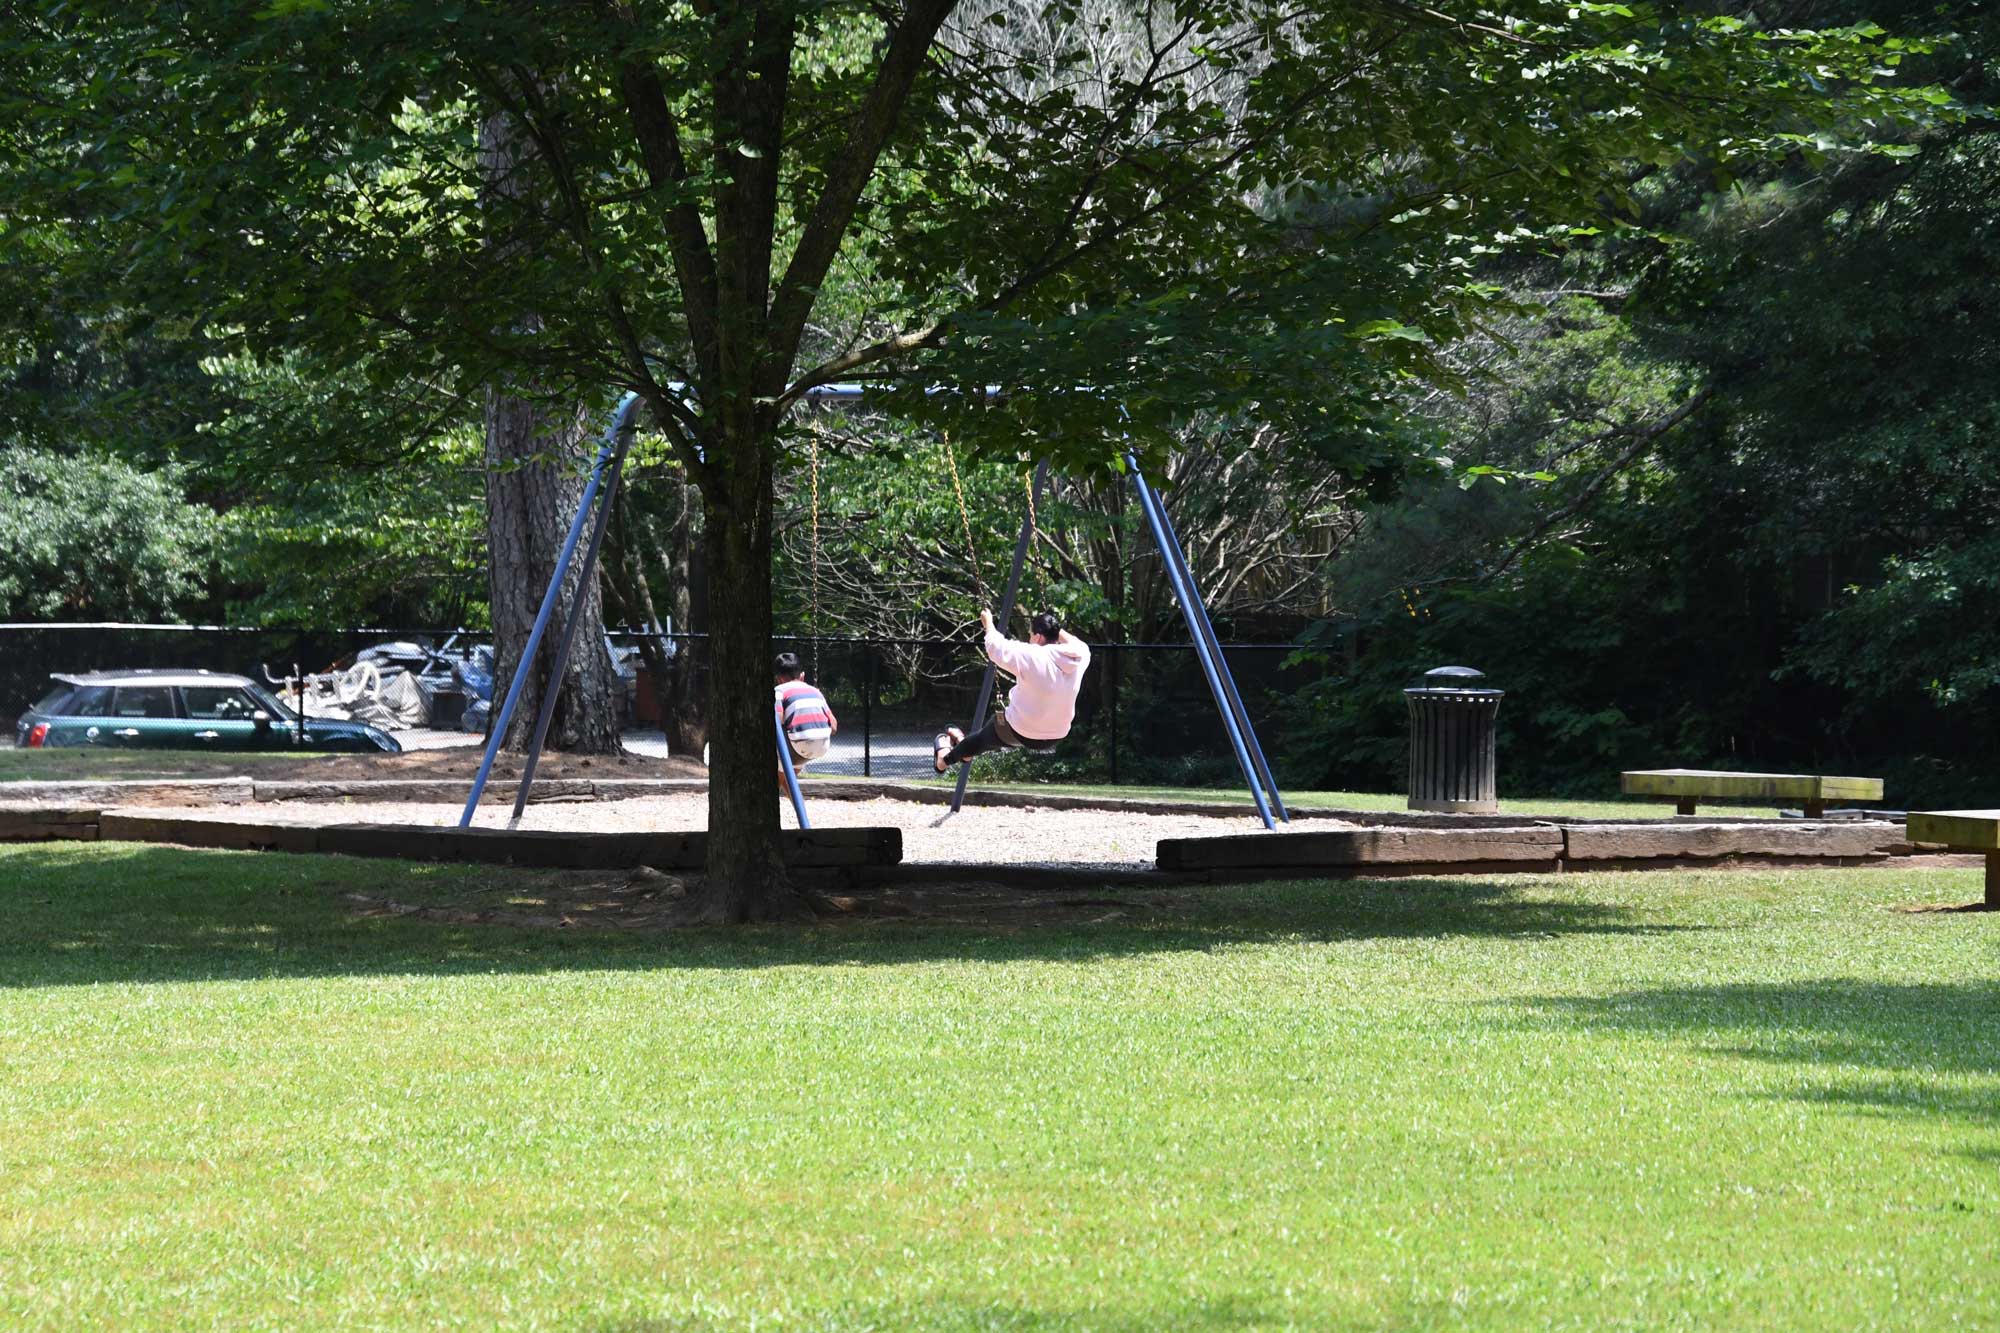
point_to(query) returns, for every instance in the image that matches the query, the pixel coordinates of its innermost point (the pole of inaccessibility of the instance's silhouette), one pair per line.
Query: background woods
(1629, 353)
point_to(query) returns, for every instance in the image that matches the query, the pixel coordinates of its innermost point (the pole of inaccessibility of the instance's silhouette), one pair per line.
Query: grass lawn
(1754, 1099)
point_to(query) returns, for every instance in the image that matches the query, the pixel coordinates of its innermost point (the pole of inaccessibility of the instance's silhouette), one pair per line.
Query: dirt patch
(463, 762)
(647, 899)
(456, 763)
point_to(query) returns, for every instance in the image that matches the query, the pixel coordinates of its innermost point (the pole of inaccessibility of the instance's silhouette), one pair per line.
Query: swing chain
(965, 519)
(1034, 523)
(813, 622)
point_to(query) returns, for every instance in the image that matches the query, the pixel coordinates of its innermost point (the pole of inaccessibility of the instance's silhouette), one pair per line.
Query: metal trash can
(1452, 724)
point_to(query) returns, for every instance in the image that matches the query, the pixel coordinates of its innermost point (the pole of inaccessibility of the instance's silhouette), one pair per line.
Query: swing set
(605, 475)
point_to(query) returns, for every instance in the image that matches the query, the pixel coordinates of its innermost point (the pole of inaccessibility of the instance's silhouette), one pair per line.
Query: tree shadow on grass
(145, 913)
(1225, 1312)
(1919, 1043)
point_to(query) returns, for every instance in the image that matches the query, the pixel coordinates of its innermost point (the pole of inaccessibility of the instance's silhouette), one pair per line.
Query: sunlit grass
(1754, 1099)
(1390, 801)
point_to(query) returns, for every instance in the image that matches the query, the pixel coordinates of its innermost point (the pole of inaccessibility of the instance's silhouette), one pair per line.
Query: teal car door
(225, 717)
(144, 717)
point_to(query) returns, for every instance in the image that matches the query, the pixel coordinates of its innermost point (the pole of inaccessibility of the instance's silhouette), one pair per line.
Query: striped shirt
(808, 719)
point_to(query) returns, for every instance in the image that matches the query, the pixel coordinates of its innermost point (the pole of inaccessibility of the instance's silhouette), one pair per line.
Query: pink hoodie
(1042, 703)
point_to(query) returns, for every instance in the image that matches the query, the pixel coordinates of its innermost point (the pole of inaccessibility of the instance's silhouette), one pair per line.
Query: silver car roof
(150, 677)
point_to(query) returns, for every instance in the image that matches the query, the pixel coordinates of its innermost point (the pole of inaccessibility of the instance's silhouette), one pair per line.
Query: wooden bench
(1685, 787)
(1963, 831)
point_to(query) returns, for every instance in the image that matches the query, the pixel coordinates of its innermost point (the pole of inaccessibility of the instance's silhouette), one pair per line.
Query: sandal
(942, 744)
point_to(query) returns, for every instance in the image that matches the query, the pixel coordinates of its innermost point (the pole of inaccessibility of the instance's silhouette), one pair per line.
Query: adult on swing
(1048, 673)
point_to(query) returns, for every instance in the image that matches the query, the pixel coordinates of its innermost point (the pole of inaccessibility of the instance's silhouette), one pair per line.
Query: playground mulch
(931, 833)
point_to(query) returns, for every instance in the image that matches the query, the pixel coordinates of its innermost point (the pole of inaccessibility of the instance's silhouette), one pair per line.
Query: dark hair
(1046, 624)
(788, 666)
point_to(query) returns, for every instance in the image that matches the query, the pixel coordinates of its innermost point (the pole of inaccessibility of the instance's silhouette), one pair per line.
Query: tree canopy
(86, 538)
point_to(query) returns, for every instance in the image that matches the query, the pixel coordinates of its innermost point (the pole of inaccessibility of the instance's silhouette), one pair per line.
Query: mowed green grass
(1750, 1099)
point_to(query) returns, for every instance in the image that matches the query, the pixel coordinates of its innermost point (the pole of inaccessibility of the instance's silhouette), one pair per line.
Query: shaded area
(1222, 1312)
(454, 763)
(648, 899)
(129, 912)
(1919, 1043)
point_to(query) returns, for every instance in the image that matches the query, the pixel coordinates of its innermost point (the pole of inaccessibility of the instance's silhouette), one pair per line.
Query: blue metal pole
(1006, 616)
(1199, 622)
(620, 422)
(1150, 504)
(791, 773)
(564, 644)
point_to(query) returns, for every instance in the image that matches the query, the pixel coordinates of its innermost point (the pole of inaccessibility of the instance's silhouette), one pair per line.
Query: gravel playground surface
(930, 832)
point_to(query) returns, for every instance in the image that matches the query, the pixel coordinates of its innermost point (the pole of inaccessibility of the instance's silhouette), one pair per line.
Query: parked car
(182, 710)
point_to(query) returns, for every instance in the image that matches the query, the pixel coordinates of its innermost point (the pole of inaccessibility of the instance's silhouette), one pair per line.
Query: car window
(269, 702)
(144, 701)
(50, 704)
(219, 703)
(89, 701)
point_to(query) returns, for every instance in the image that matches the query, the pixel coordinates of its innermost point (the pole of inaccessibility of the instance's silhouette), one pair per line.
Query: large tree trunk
(746, 869)
(533, 486)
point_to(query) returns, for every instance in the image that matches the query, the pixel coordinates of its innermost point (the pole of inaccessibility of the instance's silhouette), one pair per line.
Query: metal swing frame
(602, 490)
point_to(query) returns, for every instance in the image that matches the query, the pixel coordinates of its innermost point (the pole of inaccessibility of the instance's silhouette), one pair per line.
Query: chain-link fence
(1145, 715)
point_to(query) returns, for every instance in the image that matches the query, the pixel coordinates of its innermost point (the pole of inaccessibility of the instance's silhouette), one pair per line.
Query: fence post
(868, 713)
(1111, 652)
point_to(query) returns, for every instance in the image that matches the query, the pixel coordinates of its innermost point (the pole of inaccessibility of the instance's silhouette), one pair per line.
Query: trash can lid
(1454, 682)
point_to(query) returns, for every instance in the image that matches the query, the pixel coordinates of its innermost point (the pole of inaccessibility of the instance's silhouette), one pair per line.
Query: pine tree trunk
(534, 482)
(535, 453)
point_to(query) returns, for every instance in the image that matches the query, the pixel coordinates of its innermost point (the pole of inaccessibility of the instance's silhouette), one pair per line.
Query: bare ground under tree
(445, 764)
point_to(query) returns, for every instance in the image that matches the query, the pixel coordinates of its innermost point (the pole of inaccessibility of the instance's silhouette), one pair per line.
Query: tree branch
(849, 173)
(830, 371)
(1645, 436)
(658, 136)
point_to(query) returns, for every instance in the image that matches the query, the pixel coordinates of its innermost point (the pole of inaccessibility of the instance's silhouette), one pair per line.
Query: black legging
(995, 735)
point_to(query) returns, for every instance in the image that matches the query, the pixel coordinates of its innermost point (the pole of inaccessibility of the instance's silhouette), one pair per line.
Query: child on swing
(803, 712)
(1048, 672)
